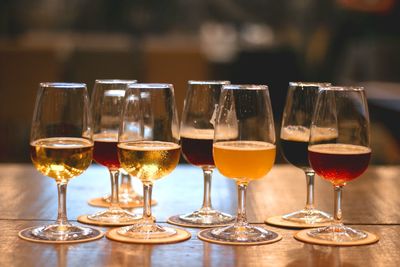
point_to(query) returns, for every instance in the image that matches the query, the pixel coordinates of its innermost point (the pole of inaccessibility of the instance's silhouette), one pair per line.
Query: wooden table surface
(370, 203)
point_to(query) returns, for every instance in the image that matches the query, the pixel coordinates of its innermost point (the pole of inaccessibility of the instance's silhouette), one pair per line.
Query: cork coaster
(100, 202)
(279, 221)
(180, 236)
(26, 234)
(302, 236)
(84, 219)
(175, 220)
(205, 235)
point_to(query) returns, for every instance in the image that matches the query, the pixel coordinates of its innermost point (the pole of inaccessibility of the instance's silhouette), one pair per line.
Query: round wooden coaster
(181, 235)
(27, 235)
(302, 236)
(279, 221)
(84, 219)
(175, 220)
(205, 235)
(100, 202)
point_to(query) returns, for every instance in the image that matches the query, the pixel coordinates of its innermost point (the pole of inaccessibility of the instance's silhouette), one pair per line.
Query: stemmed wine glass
(343, 112)
(106, 106)
(149, 155)
(244, 150)
(61, 148)
(295, 134)
(197, 134)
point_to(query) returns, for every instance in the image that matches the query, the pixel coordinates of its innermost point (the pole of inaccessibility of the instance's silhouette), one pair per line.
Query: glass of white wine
(61, 148)
(148, 154)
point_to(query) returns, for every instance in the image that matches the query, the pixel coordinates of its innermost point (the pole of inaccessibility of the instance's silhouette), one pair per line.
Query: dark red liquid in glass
(105, 153)
(339, 168)
(197, 151)
(296, 153)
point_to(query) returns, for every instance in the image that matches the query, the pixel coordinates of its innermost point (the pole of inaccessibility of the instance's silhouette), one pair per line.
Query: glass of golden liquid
(244, 150)
(61, 148)
(148, 154)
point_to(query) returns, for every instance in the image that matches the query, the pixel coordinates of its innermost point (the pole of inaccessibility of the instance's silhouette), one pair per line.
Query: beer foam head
(148, 145)
(244, 145)
(194, 133)
(297, 133)
(343, 149)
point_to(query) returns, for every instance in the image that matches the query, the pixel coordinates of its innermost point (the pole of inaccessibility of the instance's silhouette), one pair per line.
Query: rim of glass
(116, 81)
(245, 87)
(150, 85)
(310, 84)
(62, 85)
(211, 82)
(342, 88)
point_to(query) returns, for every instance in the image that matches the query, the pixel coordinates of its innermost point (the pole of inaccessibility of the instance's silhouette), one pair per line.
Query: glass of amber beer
(344, 112)
(244, 150)
(197, 134)
(148, 154)
(61, 145)
(294, 137)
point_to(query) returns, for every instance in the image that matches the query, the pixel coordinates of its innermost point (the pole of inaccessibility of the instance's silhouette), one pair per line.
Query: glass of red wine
(107, 102)
(294, 137)
(340, 111)
(197, 134)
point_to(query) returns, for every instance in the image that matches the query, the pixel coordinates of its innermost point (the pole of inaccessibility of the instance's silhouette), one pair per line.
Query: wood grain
(370, 203)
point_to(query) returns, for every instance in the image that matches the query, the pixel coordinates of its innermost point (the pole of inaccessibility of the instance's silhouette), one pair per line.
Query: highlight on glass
(244, 150)
(106, 105)
(148, 153)
(294, 137)
(341, 112)
(197, 134)
(61, 147)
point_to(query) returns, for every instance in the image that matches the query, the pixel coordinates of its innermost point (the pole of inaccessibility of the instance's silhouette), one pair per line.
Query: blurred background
(354, 42)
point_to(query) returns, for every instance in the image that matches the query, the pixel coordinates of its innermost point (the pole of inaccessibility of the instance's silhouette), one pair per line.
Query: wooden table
(371, 203)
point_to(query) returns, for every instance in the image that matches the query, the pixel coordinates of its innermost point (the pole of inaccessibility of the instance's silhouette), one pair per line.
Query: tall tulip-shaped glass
(106, 106)
(340, 112)
(149, 153)
(295, 134)
(197, 134)
(61, 148)
(244, 150)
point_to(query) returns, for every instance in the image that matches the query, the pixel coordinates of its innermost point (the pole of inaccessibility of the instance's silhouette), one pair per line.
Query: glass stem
(207, 190)
(310, 189)
(126, 185)
(147, 190)
(114, 175)
(241, 218)
(338, 205)
(62, 204)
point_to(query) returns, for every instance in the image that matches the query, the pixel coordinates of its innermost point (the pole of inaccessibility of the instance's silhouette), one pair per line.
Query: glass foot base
(308, 216)
(243, 233)
(146, 231)
(55, 232)
(207, 217)
(337, 233)
(114, 216)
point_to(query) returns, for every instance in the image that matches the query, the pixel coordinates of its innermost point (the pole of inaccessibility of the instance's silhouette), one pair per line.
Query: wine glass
(106, 106)
(148, 154)
(294, 137)
(61, 148)
(197, 134)
(244, 150)
(340, 112)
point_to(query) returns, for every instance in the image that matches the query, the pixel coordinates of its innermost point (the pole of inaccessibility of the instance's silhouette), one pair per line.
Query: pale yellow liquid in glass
(244, 161)
(148, 160)
(61, 158)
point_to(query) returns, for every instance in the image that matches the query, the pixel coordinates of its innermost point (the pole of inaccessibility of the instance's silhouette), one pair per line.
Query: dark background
(348, 42)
